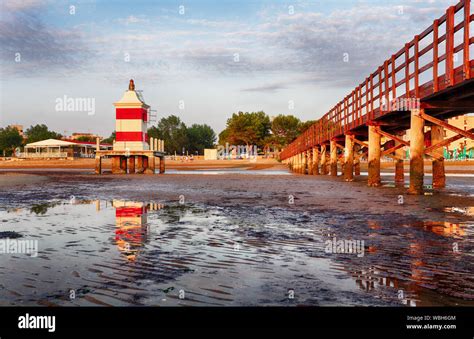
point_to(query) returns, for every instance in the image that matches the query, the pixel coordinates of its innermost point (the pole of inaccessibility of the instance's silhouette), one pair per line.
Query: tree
(249, 128)
(305, 125)
(285, 129)
(174, 133)
(10, 139)
(86, 138)
(109, 140)
(200, 137)
(40, 132)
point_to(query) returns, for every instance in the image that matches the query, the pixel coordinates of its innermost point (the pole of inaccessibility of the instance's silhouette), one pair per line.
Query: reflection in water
(132, 227)
(143, 253)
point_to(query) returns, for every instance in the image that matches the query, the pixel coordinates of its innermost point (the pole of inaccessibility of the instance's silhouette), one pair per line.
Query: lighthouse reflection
(132, 229)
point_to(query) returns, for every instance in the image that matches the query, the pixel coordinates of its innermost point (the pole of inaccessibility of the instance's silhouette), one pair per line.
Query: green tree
(285, 129)
(40, 132)
(86, 138)
(200, 137)
(249, 128)
(174, 133)
(10, 139)
(305, 125)
(109, 140)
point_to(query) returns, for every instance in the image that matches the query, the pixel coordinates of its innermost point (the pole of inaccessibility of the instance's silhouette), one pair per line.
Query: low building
(52, 148)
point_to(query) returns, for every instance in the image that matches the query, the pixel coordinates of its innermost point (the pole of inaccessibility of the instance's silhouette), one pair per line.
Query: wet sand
(238, 240)
(170, 164)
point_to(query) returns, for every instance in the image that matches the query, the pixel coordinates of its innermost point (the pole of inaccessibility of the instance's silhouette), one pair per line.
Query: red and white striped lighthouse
(131, 115)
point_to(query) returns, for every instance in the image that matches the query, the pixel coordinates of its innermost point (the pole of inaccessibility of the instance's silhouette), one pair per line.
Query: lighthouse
(131, 118)
(133, 151)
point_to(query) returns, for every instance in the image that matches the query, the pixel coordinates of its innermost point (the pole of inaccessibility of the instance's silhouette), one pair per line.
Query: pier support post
(150, 168)
(116, 164)
(98, 164)
(333, 157)
(310, 158)
(162, 165)
(305, 161)
(374, 157)
(399, 169)
(123, 164)
(131, 164)
(300, 163)
(140, 169)
(417, 150)
(356, 159)
(324, 167)
(439, 177)
(349, 159)
(315, 161)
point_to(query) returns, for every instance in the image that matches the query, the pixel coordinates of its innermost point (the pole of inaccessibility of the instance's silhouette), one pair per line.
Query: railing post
(466, 57)
(450, 46)
(435, 56)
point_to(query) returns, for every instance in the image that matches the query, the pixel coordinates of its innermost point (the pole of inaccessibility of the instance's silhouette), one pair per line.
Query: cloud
(30, 47)
(132, 19)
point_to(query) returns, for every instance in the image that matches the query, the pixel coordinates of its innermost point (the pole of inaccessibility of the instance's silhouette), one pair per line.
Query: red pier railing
(421, 68)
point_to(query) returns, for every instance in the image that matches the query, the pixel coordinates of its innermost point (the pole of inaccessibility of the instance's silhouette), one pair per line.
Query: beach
(234, 237)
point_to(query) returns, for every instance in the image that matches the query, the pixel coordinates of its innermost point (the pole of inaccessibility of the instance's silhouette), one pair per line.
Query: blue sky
(216, 57)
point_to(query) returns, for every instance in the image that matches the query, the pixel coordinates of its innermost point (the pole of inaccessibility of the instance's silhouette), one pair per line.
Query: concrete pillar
(145, 163)
(152, 143)
(417, 150)
(324, 167)
(131, 164)
(115, 164)
(298, 163)
(333, 157)
(98, 165)
(305, 162)
(315, 161)
(162, 165)
(155, 143)
(356, 159)
(150, 168)
(349, 159)
(399, 170)
(374, 157)
(309, 157)
(439, 177)
(140, 169)
(123, 164)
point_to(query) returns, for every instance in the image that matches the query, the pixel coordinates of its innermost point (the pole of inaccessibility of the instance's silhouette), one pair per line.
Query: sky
(200, 60)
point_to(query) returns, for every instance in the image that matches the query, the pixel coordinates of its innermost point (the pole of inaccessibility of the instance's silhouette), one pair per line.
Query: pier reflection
(411, 270)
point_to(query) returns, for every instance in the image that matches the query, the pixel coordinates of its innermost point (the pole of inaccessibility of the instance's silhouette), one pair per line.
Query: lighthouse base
(131, 162)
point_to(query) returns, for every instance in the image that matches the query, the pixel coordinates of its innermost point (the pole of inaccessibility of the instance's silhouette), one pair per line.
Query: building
(464, 122)
(61, 149)
(131, 114)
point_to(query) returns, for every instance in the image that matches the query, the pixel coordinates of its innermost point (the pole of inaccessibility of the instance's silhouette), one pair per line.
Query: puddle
(159, 253)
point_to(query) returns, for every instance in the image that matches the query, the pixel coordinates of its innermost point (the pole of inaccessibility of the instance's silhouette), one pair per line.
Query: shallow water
(119, 252)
